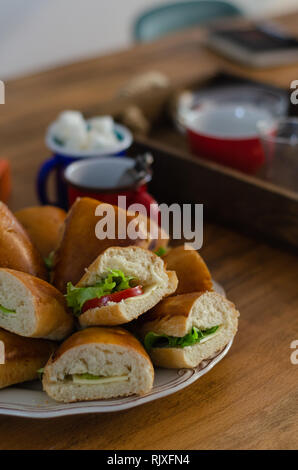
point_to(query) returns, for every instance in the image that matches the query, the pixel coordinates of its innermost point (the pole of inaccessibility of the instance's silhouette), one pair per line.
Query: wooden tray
(246, 202)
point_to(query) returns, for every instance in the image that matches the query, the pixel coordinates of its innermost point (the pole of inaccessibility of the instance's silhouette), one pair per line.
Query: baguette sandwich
(43, 225)
(192, 272)
(16, 248)
(31, 307)
(119, 286)
(22, 358)
(98, 363)
(79, 245)
(184, 330)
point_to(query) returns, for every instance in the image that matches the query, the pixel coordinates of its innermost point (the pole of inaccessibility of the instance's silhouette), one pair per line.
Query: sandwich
(79, 245)
(184, 330)
(119, 286)
(192, 272)
(43, 225)
(16, 248)
(31, 307)
(22, 358)
(98, 363)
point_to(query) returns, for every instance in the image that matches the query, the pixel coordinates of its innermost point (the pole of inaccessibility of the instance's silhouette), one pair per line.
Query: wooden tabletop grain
(250, 399)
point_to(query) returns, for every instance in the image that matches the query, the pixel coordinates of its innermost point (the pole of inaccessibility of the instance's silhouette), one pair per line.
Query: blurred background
(39, 34)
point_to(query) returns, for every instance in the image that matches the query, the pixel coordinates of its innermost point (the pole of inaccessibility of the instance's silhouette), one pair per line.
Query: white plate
(29, 401)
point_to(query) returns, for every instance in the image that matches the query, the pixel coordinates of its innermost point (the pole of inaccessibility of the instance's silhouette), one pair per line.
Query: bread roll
(44, 226)
(176, 316)
(16, 249)
(115, 361)
(23, 358)
(31, 307)
(146, 269)
(79, 246)
(192, 272)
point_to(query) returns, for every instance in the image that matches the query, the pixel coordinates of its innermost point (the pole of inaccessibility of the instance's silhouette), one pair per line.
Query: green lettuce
(153, 340)
(49, 261)
(6, 310)
(40, 373)
(161, 251)
(115, 281)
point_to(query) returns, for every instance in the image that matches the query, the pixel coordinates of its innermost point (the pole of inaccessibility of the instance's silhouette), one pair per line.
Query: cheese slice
(77, 379)
(147, 292)
(209, 337)
(148, 289)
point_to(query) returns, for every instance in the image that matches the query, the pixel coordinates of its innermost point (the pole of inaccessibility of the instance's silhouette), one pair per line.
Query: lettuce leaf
(49, 261)
(6, 310)
(153, 340)
(115, 281)
(161, 251)
(40, 373)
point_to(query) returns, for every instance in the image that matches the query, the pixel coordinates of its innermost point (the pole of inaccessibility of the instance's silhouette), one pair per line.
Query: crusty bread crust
(79, 246)
(16, 248)
(129, 309)
(52, 319)
(192, 272)
(43, 225)
(23, 358)
(170, 316)
(103, 335)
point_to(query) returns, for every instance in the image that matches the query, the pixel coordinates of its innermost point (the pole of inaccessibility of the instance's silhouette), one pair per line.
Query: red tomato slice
(116, 297)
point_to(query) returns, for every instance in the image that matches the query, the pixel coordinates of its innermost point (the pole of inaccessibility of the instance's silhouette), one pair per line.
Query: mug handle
(42, 178)
(146, 199)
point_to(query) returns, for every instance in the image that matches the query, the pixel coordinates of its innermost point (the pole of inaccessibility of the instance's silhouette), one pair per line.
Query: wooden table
(250, 399)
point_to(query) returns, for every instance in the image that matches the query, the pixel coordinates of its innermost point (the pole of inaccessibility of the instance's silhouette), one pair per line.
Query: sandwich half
(43, 225)
(79, 245)
(98, 363)
(23, 357)
(192, 272)
(16, 248)
(119, 286)
(184, 330)
(31, 307)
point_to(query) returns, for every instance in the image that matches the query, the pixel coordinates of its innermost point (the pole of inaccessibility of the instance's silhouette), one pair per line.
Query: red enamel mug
(228, 134)
(106, 179)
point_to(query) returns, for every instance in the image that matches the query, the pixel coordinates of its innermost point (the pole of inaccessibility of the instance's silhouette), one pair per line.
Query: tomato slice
(116, 297)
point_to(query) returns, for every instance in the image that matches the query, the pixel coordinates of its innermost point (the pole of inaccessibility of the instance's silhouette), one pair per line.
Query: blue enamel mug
(63, 157)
